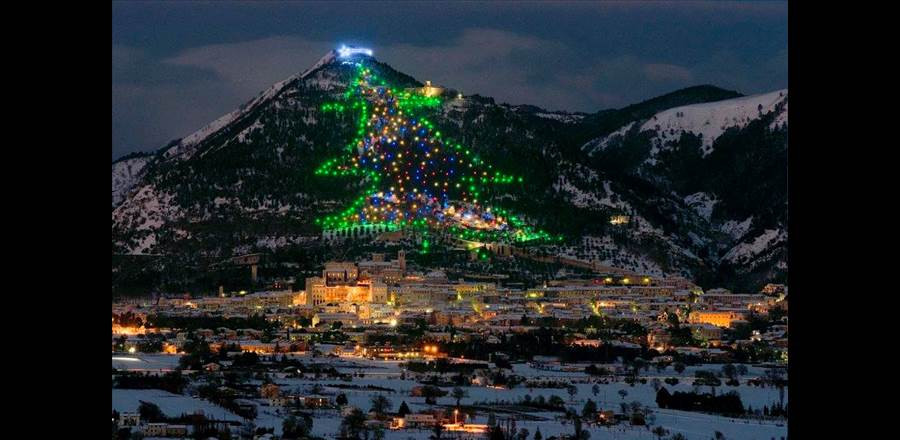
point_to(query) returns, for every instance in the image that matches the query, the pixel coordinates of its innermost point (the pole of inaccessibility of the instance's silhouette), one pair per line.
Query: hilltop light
(346, 52)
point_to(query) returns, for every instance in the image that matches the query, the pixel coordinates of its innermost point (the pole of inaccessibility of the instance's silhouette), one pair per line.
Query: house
(176, 431)
(724, 318)
(251, 333)
(607, 417)
(129, 419)
(316, 401)
(279, 401)
(413, 421)
(707, 331)
(155, 429)
(204, 332)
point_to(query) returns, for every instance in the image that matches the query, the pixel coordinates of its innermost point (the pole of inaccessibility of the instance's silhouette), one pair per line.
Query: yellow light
(132, 349)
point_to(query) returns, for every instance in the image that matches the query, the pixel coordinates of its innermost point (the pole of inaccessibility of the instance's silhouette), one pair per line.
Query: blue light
(346, 52)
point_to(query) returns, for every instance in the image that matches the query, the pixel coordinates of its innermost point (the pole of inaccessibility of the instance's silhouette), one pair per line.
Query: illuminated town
(403, 353)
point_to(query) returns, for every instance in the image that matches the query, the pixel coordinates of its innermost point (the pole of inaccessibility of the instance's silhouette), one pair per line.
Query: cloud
(667, 72)
(158, 98)
(252, 66)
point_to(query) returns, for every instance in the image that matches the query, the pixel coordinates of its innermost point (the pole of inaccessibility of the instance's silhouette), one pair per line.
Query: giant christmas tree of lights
(416, 178)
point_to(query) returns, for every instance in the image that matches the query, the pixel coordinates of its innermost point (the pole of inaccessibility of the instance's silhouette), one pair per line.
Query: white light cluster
(346, 52)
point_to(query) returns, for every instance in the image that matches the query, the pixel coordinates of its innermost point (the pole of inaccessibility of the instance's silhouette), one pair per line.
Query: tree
(623, 393)
(589, 411)
(404, 409)
(555, 401)
(381, 405)
(729, 371)
(522, 435)
(495, 432)
(662, 397)
(595, 390)
(353, 425)
(660, 432)
(341, 399)
(459, 393)
(437, 432)
(637, 364)
(297, 427)
(580, 433)
(538, 435)
(572, 390)
(150, 412)
(679, 367)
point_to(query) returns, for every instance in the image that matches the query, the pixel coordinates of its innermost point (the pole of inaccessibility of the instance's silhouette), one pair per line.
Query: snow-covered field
(172, 405)
(140, 362)
(387, 374)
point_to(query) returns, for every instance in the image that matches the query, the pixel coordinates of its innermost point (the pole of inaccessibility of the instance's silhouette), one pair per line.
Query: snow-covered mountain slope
(702, 204)
(566, 118)
(707, 120)
(710, 120)
(188, 146)
(601, 143)
(247, 182)
(745, 251)
(126, 173)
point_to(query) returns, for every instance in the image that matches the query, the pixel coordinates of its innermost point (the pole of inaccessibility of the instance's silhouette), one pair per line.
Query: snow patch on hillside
(736, 229)
(606, 252)
(578, 197)
(711, 119)
(566, 118)
(144, 213)
(702, 204)
(744, 252)
(125, 175)
(601, 143)
(242, 136)
(782, 118)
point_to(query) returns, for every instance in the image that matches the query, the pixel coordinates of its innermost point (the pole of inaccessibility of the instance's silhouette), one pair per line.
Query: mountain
(727, 161)
(126, 173)
(246, 183)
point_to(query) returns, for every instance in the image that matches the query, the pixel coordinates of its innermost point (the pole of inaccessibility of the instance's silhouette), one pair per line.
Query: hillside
(246, 182)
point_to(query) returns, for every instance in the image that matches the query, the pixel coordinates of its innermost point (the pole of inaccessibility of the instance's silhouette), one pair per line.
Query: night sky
(177, 66)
